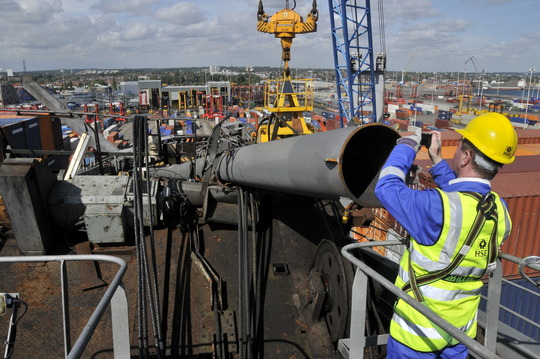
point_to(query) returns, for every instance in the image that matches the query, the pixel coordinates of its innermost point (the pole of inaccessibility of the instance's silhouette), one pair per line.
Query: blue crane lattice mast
(353, 60)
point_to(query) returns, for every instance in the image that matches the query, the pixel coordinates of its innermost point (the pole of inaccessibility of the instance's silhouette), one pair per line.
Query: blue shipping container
(522, 120)
(33, 137)
(520, 301)
(14, 132)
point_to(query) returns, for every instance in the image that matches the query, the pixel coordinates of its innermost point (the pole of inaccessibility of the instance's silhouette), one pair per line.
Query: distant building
(129, 88)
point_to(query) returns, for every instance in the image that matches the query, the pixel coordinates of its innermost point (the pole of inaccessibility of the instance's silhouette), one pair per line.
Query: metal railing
(114, 295)
(354, 347)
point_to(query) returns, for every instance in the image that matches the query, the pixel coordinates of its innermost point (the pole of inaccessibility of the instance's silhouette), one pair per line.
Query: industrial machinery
(286, 99)
(233, 182)
(235, 248)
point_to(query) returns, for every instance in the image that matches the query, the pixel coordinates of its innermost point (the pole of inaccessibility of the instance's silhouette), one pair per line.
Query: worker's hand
(412, 141)
(435, 149)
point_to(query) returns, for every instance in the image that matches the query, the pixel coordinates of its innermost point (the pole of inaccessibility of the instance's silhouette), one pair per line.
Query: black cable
(246, 272)
(240, 282)
(254, 266)
(148, 285)
(155, 297)
(141, 293)
(137, 244)
(152, 284)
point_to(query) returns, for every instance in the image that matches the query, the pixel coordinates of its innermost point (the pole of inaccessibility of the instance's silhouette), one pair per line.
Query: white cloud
(29, 11)
(403, 11)
(166, 33)
(185, 13)
(126, 6)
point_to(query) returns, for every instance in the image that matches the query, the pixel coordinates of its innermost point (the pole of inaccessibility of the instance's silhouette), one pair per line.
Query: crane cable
(147, 295)
(382, 35)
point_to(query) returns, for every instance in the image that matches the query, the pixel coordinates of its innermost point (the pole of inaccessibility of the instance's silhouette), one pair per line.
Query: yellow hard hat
(493, 135)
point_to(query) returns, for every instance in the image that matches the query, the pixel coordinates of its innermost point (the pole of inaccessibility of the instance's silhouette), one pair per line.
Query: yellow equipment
(284, 98)
(285, 24)
(494, 135)
(468, 106)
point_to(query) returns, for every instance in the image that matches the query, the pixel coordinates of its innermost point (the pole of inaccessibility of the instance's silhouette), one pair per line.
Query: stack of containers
(21, 132)
(443, 120)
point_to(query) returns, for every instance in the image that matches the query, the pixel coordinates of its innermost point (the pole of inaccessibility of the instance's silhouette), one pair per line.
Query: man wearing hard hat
(456, 231)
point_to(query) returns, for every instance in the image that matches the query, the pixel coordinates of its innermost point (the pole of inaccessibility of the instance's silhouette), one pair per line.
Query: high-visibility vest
(455, 294)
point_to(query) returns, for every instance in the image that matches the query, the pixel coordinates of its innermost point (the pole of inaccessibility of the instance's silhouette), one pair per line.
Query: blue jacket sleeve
(419, 212)
(442, 174)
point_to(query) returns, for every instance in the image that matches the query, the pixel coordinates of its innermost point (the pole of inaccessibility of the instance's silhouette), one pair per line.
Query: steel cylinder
(327, 165)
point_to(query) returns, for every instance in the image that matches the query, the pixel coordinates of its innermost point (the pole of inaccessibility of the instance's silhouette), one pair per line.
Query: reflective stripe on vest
(457, 298)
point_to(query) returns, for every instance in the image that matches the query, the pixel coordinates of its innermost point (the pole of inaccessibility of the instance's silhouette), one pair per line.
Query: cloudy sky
(439, 35)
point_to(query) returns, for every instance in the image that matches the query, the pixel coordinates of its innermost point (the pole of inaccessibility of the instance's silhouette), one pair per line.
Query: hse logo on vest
(481, 249)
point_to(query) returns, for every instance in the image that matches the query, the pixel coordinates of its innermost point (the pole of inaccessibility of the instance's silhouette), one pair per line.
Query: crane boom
(475, 62)
(406, 67)
(479, 75)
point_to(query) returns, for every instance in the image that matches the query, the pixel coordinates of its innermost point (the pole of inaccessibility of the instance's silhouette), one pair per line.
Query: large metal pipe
(327, 165)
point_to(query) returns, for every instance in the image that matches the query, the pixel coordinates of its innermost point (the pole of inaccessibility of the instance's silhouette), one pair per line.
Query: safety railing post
(492, 309)
(358, 315)
(65, 306)
(120, 324)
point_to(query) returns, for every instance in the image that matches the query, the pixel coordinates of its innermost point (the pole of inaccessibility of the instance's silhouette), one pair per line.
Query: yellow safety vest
(447, 275)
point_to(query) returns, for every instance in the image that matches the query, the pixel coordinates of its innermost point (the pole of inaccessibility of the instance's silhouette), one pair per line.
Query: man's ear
(466, 158)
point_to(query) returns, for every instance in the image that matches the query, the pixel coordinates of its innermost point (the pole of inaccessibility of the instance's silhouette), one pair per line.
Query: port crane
(406, 68)
(359, 73)
(479, 74)
(479, 78)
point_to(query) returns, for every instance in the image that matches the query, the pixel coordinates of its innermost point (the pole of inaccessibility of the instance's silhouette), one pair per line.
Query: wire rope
(382, 33)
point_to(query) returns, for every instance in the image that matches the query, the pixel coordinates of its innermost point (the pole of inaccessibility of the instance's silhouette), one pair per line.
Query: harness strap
(486, 210)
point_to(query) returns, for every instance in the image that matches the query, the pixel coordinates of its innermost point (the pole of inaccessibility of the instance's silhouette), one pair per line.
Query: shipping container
(46, 133)
(443, 124)
(523, 301)
(522, 120)
(329, 114)
(33, 137)
(13, 130)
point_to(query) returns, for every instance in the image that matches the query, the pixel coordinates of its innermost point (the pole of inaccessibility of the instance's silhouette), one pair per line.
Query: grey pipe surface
(328, 165)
